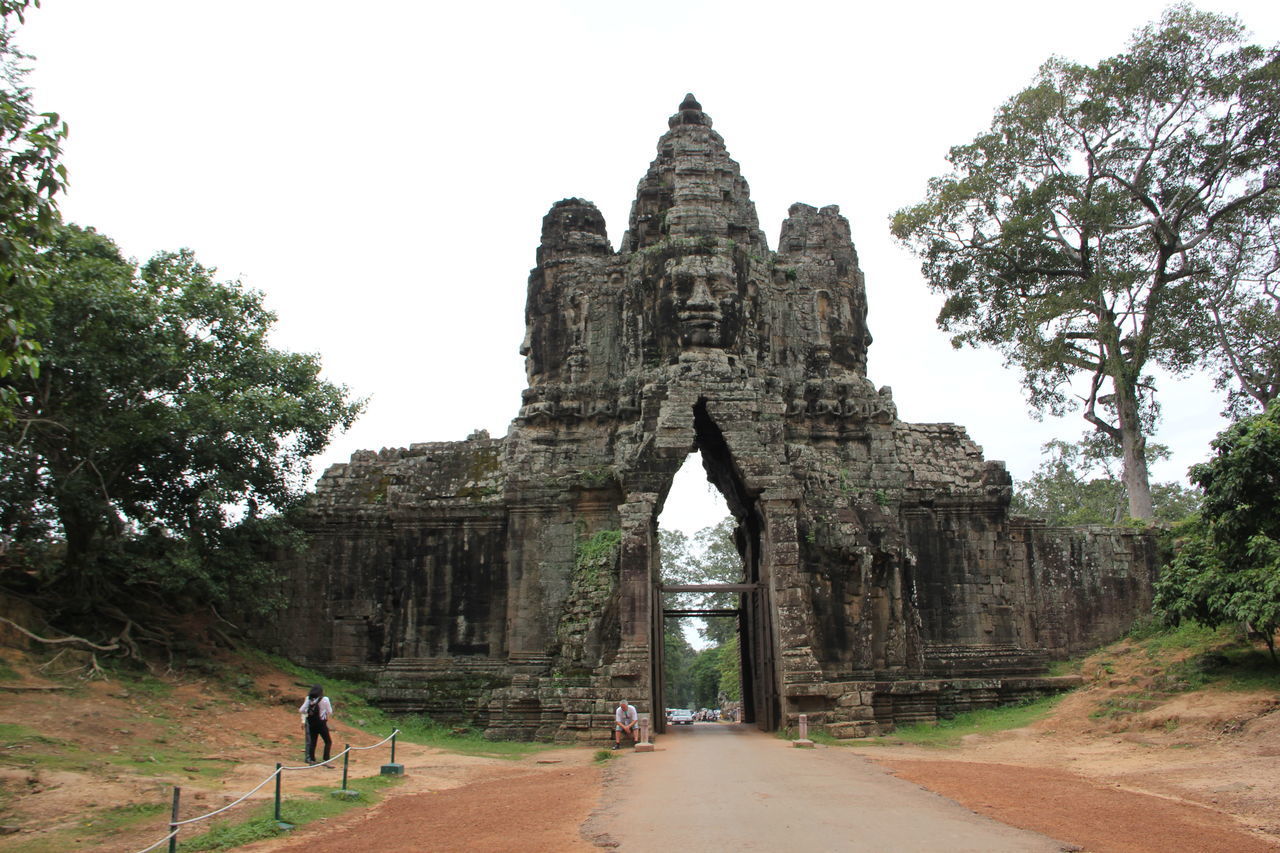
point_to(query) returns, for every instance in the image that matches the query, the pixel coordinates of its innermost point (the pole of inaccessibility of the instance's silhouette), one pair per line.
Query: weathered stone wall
(514, 581)
(1085, 585)
(408, 560)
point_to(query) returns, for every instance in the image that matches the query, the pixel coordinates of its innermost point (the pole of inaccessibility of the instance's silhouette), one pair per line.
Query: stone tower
(515, 581)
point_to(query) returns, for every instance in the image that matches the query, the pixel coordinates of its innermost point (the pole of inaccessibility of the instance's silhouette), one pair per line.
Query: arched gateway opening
(745, 601)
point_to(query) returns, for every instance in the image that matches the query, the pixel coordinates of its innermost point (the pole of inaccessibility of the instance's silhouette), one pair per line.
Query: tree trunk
(1133, 445)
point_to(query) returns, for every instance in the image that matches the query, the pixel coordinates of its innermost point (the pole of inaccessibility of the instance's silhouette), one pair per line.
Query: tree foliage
(1082, 234)
(30, 178)
(163, 436)
(697, 678)
(1227, 568)
(700, 678)
(1077, 484)
(677, 659)
(1243, 337)
(710, 556)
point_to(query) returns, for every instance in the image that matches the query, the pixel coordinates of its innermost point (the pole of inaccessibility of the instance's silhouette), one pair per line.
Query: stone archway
(510, 582)
(754, 613)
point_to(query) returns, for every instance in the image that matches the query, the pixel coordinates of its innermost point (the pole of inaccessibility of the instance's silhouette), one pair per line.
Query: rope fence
(175, 825)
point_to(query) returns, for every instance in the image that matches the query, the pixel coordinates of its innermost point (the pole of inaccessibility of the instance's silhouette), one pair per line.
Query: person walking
(625, 719)
(316, 712)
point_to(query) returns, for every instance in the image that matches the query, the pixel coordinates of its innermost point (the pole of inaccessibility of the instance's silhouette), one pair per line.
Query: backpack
(313, 710)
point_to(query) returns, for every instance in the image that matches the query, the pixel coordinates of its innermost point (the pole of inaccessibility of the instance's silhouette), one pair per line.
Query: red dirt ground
(1196, 771)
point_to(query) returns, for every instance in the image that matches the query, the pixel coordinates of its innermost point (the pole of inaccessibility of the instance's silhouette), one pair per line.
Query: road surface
(712, 787)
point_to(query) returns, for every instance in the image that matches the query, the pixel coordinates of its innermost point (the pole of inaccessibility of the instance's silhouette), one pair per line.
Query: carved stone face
(705, 298)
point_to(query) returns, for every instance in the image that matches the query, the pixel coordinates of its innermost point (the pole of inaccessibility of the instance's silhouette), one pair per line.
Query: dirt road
(713, 787)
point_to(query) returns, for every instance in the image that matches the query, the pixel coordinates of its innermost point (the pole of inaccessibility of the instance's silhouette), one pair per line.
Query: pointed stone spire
(693, 189)
(690, 112)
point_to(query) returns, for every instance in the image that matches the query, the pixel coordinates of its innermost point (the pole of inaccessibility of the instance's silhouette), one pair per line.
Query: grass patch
(137, 682)
(1117, 707)
(259, 819)
(1232, 667)
(349, 702)
(421, 729)
(603, 755)
(1192, 656)
(1169, 660)
(26, 748)
(820, 736)
(12, 734)
(1074, 666)
(119, 817)
(1187, 636)
(97, 825)
(946, 733)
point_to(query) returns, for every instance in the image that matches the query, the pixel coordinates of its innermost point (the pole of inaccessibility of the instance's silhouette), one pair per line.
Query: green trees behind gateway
(1117, 217)
(1076, 484)
(151, 457)
(1228, 566)
(697, 678)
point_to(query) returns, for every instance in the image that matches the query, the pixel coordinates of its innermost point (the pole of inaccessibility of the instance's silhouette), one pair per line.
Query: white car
(681, 716)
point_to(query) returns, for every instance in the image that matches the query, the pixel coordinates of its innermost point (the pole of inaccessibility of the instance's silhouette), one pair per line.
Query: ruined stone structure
(515, 581)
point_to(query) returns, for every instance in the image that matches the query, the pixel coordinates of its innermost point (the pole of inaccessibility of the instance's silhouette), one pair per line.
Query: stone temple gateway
(514, 582)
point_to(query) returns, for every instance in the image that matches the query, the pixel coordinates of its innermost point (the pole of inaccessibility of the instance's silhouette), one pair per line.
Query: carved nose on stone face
(700, 299)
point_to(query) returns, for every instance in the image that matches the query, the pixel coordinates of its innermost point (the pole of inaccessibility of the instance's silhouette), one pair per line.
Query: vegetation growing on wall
(593, 584)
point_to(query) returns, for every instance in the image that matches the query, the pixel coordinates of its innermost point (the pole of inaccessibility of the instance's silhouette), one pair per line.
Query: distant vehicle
(681, 716)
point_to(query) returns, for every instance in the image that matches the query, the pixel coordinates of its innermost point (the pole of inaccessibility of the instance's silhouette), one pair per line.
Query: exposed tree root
(113, 646)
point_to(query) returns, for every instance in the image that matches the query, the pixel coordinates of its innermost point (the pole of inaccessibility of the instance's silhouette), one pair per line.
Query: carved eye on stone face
(722, 287)
(682, 286)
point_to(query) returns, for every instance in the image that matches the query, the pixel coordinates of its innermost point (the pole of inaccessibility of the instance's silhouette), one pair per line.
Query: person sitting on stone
(625, 719)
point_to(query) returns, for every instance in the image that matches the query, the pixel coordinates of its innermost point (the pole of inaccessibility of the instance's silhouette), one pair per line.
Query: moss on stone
(484, 463)
(596, 553)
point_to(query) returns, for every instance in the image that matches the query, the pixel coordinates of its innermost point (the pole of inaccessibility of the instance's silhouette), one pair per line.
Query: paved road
(712, 787)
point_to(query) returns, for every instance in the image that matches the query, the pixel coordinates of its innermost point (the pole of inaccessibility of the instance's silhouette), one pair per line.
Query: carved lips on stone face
(707, 299)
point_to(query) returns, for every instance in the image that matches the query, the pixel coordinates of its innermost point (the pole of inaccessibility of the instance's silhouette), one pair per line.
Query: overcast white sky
(380, 169)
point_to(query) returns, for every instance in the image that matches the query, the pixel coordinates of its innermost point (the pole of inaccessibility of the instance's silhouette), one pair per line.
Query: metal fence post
(393, 769)
(280, 822)
(173, 820)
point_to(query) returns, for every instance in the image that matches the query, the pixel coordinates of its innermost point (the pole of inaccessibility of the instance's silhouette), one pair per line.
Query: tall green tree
(730, 664)
(30, 178)
(1228, 566)
(163, 435)
(1079, 234)
(677, 660)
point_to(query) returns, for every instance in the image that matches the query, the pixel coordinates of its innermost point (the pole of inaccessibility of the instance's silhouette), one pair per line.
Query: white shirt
(326, 709)
(629, 717)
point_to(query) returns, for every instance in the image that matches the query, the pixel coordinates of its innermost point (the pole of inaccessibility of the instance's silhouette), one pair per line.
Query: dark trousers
(315, 729)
